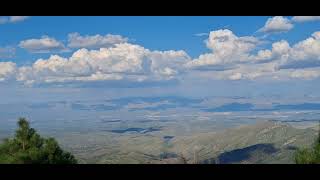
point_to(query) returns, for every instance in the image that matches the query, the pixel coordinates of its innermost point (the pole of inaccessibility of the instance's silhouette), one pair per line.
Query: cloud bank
(232, 58)
(125, 61)
(103, 58)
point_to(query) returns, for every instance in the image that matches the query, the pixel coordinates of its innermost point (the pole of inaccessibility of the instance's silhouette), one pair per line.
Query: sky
(73, 57)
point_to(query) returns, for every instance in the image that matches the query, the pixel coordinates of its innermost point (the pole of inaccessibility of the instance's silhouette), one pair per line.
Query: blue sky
(153, 32)
(198, 60)
(159, 33)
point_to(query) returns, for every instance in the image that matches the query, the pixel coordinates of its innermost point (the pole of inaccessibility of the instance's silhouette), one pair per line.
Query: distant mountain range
(233, 107)
(171, 102)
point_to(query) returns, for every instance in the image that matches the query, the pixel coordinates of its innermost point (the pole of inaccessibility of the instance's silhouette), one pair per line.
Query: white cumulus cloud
(301, 60)
(283, 61)
(277, 24)
(232, 58)
(304, 54)
(122, 62)
(95, 41)
(7, 70)
(227, 49)
(45, 44)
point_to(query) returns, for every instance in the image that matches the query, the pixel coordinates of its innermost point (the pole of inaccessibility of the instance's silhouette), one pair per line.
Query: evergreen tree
(28, 147)
(309, 155)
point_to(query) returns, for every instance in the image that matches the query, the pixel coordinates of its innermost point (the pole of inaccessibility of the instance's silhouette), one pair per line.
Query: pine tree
(28, 147)
(309, 155)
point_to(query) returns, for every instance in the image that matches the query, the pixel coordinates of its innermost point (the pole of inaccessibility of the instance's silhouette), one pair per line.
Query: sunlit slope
(265, 142)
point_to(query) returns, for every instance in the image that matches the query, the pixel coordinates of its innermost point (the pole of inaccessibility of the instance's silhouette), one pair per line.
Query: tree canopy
(28, 147)
(309, 155)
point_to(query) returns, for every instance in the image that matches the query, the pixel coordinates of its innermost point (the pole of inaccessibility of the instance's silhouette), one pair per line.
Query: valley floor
(263, 142)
